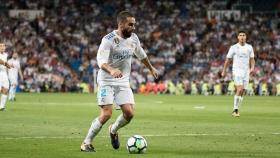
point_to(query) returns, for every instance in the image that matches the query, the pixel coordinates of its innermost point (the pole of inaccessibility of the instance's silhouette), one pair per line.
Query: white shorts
(241, 80)
(4, 81)
(13, 80)
(120, 95)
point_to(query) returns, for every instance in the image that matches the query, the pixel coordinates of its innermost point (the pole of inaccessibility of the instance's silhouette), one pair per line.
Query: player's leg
(238, 80)
(12, 92)
(4, 91)
(97, 123)
(245, 87)
(105, 101)
(4, 95)
(124, 98)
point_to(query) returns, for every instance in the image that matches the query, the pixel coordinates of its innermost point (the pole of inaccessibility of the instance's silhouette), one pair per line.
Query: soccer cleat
(87, 148)
(114, 139)
(235, 114)
(2, 109)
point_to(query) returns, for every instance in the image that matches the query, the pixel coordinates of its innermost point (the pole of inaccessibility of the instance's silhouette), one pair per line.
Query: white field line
(147, 135)
(56, 103)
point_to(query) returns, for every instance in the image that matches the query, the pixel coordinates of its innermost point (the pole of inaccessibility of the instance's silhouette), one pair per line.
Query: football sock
(120, 122)
(93, 131)
(14, 92)
(11, 92)
(240, 101)
(236, 102)
(3, 100)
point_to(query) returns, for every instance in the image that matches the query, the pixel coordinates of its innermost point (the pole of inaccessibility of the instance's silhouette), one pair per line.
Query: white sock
(240, 101)
(93, 131)
(14, 92)
(120, 122)
(10, 93)
(3, 100)
(236, 102)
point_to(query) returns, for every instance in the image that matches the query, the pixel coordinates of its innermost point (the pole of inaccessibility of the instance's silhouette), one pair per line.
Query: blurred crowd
(58, 50)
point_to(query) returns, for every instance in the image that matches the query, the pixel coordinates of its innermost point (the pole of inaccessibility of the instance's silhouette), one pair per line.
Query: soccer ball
(136, 145)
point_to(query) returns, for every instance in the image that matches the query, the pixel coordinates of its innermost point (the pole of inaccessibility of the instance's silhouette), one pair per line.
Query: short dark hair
(241, 31)
(123, 15)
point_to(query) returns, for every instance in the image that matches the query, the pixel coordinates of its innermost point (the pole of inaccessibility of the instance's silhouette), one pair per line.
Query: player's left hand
(154, 72)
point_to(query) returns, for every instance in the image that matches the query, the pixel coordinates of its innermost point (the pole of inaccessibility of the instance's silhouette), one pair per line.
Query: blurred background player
(4, 82)
(13, 75)
(242, 55)
(114, 59)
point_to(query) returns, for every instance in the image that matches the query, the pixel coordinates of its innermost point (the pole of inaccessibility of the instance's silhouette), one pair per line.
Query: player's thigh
(13, 82)
(246, 81)
(105, 95)
(4, 84)
(238, 80)
(123, 96)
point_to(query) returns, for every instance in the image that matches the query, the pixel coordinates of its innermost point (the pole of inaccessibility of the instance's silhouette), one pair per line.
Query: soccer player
(4, 82)
(13, 75)
(114, 59)
(242, 55)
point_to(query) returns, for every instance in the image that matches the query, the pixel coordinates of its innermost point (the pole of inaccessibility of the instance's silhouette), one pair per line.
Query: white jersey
(241, 57)
(3, 57)
(117, 52)
(13, 72)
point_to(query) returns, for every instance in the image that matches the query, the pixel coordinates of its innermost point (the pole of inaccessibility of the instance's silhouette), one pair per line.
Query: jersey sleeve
(139, 51)
(103, 52)
(252, 54)
(230, 53)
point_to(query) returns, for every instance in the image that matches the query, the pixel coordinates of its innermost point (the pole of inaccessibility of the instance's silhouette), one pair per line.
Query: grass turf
(54, 125)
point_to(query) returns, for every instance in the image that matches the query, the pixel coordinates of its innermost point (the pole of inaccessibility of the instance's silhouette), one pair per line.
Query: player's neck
(242, 43)
(119, 33)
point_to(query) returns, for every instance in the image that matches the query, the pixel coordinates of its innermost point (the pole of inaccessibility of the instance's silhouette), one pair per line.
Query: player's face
(128, 27)
(15, 55)
(241, 37)
(2, 47)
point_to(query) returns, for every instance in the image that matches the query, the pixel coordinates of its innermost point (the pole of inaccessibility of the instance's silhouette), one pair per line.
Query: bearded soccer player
(114, 60)
(4, 82)
(242, 55)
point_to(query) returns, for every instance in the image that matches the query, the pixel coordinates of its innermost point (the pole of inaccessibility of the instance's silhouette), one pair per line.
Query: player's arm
(252, 61)
(228, 61)
(103, 58)
(20, 73)
(141, 55)
(226, 65)
(5, 64)
(148, 64)
(116, 73)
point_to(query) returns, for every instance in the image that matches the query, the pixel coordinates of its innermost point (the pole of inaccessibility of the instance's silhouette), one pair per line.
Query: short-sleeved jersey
(13, 72)
(3, 57)
(117, 52)
(241, 57)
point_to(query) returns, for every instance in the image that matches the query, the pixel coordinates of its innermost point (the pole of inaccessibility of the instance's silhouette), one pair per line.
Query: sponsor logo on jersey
(124, 55)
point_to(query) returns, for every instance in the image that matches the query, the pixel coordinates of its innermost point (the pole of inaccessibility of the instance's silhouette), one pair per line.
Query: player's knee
(129, 115)
(107, 115)
(4, 91)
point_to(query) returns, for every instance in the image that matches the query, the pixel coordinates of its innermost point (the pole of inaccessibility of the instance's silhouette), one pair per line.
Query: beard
(126, 33)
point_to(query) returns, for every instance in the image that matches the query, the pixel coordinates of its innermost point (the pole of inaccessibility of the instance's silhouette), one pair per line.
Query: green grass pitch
(54, 125)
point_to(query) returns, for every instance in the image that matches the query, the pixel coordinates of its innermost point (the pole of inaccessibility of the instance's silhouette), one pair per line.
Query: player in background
(114, 59)
(4, 82)
(242, 55)
(13, 75)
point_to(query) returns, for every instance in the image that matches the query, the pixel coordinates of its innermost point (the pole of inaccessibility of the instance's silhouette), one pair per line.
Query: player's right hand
(8, 66)
(116, 73)
(223, 74)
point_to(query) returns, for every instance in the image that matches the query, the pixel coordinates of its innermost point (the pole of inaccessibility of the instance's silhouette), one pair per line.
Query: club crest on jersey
(117, 40)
